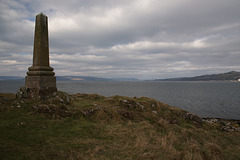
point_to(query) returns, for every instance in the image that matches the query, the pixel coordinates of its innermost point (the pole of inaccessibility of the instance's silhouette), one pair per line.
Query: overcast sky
(146, 39)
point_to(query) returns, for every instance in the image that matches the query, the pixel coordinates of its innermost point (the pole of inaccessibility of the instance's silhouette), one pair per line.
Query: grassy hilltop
(90, 126)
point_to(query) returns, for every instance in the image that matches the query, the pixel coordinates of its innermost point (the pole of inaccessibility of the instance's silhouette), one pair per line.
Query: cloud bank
(137, 39)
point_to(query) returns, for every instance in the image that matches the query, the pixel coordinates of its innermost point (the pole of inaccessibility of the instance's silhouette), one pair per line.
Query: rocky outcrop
(225, 124)
(22, 93)
(34, 93)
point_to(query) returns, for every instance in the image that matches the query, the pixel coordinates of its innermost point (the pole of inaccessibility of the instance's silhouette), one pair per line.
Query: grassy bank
(90, 126)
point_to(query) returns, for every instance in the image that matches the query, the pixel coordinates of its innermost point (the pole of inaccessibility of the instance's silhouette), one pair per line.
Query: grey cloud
(140, 38)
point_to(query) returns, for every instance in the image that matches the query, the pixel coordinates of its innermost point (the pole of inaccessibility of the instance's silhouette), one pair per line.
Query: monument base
(40, 82)
(40, 85)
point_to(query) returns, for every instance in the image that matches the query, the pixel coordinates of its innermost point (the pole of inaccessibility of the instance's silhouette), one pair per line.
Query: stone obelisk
(40, 77)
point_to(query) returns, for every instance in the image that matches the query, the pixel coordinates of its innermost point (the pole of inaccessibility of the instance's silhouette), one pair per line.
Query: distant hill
(11, 78)
(81, 78)
(88, 78)
(229, 76)
(126, 79)
(74, 78)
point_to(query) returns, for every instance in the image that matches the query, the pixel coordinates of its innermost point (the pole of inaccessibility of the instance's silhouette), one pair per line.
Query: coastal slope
(91, 126)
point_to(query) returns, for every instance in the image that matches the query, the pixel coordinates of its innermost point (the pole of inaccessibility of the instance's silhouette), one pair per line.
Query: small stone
(35, 107)
(231, 130)
(140, 105)
(68, 99)
(155, 112)
(237, 129)
(174, 121)
(61, 100)
(47, 107)
(84, 113)
(21, 123)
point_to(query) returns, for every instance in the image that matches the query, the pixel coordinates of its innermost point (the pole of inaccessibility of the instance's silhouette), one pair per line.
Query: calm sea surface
(206, 99)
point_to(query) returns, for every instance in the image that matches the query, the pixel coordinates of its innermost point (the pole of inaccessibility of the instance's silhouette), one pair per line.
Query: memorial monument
(40, 78)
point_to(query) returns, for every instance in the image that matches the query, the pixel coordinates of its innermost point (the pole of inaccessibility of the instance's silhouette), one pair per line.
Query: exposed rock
(51, 109)
(21, 123)
(125, 114)
(55, 106)
(197, 121)
(131, 104)
(89, 111)
(211, 120)
(225, 124)
(139, 105)
(155, 112)
(193, 117)
(174, 121)
(2, 100)
(34, 93)
(22, 93)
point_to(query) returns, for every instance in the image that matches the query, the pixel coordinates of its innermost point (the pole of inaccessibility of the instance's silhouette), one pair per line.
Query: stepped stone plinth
(40, 77)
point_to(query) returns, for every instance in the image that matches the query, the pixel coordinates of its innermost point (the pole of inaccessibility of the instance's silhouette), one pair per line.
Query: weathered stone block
(40, 82)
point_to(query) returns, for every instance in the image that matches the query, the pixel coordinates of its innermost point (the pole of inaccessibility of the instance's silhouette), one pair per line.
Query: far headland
(229, 76)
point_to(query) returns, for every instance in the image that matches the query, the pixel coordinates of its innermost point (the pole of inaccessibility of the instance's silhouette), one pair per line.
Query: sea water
(206, 99)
